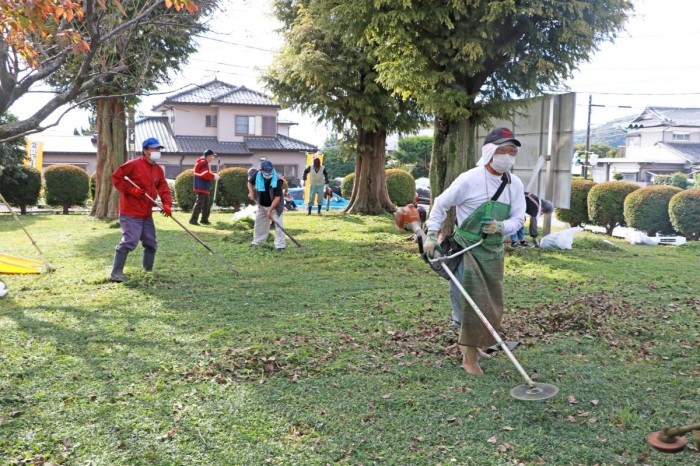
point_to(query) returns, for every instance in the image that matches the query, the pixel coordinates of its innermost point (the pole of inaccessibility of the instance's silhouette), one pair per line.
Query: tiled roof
(280, 142)
(199, 144)
(666, 116)
(156, 127)
(219, 93)
(688, 150)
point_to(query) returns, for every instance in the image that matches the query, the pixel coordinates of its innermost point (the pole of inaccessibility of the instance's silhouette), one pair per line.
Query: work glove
(431, 248)
(166, 211)
(216, 177)
(138, 192)
(492, 226)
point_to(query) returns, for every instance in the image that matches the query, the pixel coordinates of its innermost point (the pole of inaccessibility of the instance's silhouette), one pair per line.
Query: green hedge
(577, 213)
(66, 185)
(684, 212)
(401, 186)
(646, 209)
(346, 186)
(184, 194)
(606, 203)
(679, 180)
(20, 185)
(233, 188)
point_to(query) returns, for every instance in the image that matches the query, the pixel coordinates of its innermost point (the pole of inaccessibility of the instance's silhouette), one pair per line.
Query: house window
(634, 141)
(245, 125)
(210, 121)
(269, 126)
(681, 136)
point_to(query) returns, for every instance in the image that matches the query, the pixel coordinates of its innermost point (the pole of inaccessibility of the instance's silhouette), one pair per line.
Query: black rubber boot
(319, 209)
(149, 255)
(309, 211)
(118, 266)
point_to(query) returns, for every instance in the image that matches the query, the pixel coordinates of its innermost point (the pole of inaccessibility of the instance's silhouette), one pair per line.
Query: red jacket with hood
(149, 177)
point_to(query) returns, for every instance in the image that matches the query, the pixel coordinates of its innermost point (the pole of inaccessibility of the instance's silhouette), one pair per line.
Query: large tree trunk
(369, 193)
(453, 146)
(111, 153)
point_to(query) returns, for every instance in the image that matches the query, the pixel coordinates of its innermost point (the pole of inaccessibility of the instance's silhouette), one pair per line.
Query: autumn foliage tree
(39, 38)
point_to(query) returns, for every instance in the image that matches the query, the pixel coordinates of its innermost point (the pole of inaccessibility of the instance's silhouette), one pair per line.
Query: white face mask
(155, 156)
(502, 162)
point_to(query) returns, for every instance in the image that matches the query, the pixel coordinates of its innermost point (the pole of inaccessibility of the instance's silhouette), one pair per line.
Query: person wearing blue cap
(147, 178)
(265, 187)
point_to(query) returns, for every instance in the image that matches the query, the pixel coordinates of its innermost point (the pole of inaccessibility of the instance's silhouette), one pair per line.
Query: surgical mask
(155, 156)
(502, 162)
(267, 176)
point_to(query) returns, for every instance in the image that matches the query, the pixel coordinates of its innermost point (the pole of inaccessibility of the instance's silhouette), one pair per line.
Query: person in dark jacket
(202, 186)
(136, 209)
(265, 187)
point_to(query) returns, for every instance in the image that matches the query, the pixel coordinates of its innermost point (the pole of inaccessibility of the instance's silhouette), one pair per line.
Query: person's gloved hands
(431, 246)
(166, 211)
(138, 192)
(493, 226)
(216, 177)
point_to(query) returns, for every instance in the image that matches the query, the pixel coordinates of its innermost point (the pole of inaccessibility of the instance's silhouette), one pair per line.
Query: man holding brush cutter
(136, 207)
(265, 187)
(490, 204)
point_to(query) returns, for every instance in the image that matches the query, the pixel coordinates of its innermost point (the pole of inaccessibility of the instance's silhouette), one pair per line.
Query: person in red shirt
(136, 209)
(202, 186)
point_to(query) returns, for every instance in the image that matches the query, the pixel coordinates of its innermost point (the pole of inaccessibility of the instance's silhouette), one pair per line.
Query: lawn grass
(335, 353)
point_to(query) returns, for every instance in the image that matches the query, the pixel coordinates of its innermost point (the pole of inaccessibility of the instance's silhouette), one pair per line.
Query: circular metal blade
(534, 392)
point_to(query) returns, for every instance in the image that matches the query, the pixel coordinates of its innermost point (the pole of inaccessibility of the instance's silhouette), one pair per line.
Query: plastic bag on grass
(248, 212)
(560, 240)
(637, 237)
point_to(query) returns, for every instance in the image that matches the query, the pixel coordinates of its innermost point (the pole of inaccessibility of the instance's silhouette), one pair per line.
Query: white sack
(560, 240)
(637, 237)
(247, 212)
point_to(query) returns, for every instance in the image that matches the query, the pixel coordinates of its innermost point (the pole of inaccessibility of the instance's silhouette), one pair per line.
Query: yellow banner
(309, 160)
(35, 154)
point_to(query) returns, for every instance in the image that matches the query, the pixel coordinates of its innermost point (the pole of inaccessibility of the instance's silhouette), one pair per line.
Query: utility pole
(588, 132)
(588, 138)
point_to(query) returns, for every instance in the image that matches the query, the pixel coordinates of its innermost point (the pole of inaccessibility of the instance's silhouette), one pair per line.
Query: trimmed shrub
(606, 202)
(184, 194)
(697, 180)
(20, 185)
(618, 177)
(577, 213)
(646, 209)
(233, 188)
(66, 185)
(680, 180)
(401, 186)
(346, 186)
(684, 212)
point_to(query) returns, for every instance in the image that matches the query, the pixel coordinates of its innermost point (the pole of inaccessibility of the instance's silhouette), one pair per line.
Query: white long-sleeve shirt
(473, 188)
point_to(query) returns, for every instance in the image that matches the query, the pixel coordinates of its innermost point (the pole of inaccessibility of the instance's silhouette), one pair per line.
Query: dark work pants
(203, 205)
(135, 230)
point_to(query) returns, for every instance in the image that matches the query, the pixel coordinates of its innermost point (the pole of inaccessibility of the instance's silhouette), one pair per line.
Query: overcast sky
(652, 63)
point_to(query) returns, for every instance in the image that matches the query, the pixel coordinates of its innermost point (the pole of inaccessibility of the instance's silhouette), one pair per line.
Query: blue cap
(266, 166)
(152, 142)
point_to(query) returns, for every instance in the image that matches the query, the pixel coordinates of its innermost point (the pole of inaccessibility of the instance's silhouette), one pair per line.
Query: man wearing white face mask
(136, 209)
(490, 203)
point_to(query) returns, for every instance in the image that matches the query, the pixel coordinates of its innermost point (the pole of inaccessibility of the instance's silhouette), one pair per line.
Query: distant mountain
(611, 133)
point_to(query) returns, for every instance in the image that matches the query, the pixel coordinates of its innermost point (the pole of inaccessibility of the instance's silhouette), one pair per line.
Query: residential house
(660, 141)
(239, 124)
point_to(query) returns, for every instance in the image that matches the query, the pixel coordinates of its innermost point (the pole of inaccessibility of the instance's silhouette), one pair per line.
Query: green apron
(483, 274)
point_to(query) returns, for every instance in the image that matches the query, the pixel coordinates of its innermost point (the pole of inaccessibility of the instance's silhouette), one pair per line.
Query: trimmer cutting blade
(534, 392)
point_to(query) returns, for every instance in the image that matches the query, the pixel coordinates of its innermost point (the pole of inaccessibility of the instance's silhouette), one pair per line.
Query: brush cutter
(407, 218)
(216, 183)
(41, 254)
(160, 206)
(672, 440)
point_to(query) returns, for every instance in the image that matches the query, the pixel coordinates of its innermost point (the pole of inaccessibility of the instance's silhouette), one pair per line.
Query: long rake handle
(36, 246)
(191, 233)
(277, 225)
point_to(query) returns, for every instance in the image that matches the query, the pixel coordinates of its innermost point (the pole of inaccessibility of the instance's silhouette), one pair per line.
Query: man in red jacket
(136, 209)
(202, 186)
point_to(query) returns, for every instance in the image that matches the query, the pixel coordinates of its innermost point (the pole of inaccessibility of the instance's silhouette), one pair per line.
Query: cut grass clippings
(336, 353)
